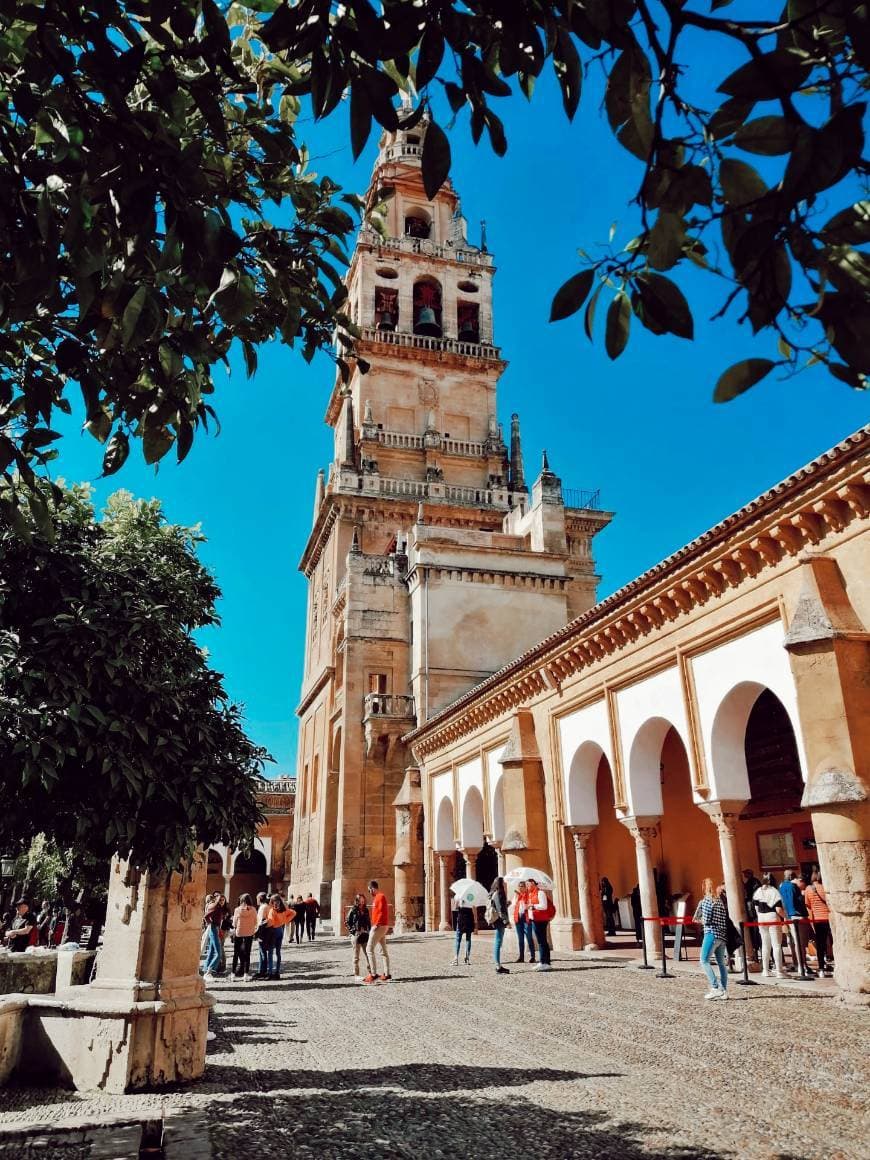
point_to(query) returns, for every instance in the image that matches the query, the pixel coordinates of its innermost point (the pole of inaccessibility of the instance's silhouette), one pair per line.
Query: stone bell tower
(429, 565)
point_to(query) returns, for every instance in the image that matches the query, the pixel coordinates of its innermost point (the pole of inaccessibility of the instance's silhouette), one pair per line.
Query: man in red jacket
(378, 934)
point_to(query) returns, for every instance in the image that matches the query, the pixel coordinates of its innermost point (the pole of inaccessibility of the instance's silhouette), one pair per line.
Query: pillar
(502, 859)
(408, 896)
(591, 938)
(143, 1021)
(644, 830)
(724, 815)
(470, 857)
(444, 889)
(829, 653)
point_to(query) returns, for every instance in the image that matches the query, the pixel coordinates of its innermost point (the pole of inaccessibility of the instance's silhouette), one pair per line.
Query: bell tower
(429, 564)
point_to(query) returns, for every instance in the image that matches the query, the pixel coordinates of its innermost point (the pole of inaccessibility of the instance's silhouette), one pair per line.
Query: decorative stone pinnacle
(355, 548)
(545, 463)
(367, 418)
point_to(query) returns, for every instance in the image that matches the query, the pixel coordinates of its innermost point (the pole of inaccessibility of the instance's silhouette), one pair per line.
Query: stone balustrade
(403, 339)
(398, 705)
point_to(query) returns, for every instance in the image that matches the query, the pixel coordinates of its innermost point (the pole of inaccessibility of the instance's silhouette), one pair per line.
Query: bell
(386, 320)
(469, 333)
(427, 323)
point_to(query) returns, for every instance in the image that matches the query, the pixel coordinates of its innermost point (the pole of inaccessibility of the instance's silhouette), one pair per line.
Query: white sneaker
(721, 995)
(456, 961)
(543, 967)
(209, 978)
(713, 993)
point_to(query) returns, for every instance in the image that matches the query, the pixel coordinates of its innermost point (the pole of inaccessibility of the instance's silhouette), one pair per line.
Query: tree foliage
(115, 734)
(143, 141)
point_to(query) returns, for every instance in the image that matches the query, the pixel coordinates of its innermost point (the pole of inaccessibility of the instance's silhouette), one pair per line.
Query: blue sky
(643, 429)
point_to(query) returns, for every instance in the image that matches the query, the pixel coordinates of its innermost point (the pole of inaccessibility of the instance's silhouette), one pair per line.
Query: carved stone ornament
(427, 392)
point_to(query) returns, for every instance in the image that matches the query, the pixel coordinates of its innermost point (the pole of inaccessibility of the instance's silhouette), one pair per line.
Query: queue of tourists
(264, 922)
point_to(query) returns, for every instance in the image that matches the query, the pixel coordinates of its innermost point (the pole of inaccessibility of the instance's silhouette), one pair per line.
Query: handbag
(263, 931)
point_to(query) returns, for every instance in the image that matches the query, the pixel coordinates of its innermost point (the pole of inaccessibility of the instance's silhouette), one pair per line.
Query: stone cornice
(822, 498)
(326, 675)
(494, 576)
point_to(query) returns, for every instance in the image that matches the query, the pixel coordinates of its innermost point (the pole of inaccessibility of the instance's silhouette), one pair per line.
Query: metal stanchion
(745, 981)
(663, 973)
(645, 966)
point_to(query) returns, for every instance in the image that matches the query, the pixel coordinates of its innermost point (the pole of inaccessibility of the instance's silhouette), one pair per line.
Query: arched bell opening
(386, 308)
(418, 223)
(427, 308)
(468, 321)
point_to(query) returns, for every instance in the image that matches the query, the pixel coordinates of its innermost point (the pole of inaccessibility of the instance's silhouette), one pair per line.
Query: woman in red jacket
(540, 911)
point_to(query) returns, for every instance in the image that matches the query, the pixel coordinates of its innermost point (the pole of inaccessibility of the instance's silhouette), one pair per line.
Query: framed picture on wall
(776, 849)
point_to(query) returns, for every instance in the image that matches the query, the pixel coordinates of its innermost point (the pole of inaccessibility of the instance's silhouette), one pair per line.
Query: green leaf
(429, 56)
(772, 75)
(740, 377)
(589, 312)
(115, 455)
(849, 226)
(729, 117)
(435, 162)
(99, 424)
(132, 312)
(571, 295)
(618, 324)
(664, 306)
(741, 184)
(156, 442)
(626, 100)
(665, 246)
(769, 136)
(569, 71)
(360, 118)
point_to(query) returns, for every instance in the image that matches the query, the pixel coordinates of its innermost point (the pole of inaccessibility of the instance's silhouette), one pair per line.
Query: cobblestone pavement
(595, 1059)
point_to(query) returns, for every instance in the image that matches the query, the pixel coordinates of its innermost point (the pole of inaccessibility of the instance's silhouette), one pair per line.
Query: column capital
(469, 853)
(723, 814)
(581, 835)
(643, 828)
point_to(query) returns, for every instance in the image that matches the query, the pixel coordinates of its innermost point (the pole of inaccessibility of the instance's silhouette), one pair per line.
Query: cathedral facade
(430, 563)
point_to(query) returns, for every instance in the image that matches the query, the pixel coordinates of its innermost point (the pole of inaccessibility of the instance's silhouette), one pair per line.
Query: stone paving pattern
(594, 1059)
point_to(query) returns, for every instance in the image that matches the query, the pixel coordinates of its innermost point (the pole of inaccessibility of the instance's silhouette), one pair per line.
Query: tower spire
(346, 449)
(517, 478)
(319, 490)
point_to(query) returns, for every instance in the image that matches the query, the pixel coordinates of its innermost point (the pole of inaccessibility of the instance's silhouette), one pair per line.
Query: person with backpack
(541, 911)
(359, 923)
(525, 930)
(769, 909)
(23, 933)
(463, 925)
(279, 916)
(496, 914)
(816, 901)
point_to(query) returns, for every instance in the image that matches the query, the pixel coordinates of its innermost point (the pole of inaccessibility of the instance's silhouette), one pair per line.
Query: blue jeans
(213, 950)
(279, 938)
(496, 946)
(267, 952)
(458, 940)
(716, 948)
(525, 930)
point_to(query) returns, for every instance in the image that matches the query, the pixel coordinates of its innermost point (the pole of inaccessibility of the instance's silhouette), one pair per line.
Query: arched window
(468, 321)
(418, 223)
(386, 308)
(427, 308)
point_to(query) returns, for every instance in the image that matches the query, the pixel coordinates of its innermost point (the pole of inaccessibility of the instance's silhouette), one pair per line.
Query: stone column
(590, 937)
(724, 815)
(829, 652)
(502, 860)
(444, 889)
(470, 857)
(408, 859)
(143, 1021)
(644, 830)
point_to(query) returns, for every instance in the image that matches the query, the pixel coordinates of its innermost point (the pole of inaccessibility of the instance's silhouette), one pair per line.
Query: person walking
(380, 917)
(312, 913)
(265, 937)
(711, 914)
(541, 912)
(816, 900)
(463, 925)
(212, 920)
(795, 909)
(498, 917)
(768, 906)
(359, 923)
(299, 920)
(607, 906)
(522, 925)
(244, 929)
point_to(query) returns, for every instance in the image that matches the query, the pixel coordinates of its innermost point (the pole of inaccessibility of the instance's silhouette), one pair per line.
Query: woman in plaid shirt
(711, 913)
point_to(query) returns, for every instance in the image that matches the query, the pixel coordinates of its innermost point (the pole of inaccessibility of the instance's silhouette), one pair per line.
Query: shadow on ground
(442, 1112)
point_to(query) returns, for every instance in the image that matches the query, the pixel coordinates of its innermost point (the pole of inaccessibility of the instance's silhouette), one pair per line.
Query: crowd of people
(51, 925)
(264, 922)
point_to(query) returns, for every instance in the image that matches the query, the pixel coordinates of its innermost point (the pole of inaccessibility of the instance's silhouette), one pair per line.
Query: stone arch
(729, 773)
(644, 760)
(472, 819)
(215, 872)
(582, 785)
(445, 834)
(250, 875)
(498, 821)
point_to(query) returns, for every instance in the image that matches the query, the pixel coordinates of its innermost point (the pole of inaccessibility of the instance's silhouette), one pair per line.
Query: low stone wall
(12, 1013)
(28, 973)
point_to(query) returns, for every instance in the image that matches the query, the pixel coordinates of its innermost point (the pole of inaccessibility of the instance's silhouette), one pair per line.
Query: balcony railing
(576, 497)
(404, 442)
(401, 338)
(426, 247)
(397, 705)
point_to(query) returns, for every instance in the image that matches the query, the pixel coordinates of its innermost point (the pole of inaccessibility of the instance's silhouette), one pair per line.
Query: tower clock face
(428, 393)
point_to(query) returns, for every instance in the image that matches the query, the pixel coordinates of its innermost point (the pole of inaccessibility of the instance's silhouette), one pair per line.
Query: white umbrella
(469, 893)
(524, 873)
